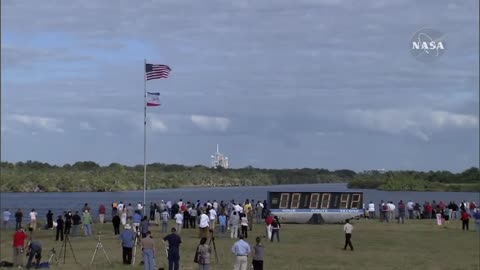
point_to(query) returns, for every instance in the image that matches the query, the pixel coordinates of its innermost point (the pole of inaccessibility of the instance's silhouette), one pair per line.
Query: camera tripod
(99, 245)
(64, 250)
(212, 240)
(135, 243)
(53, 255)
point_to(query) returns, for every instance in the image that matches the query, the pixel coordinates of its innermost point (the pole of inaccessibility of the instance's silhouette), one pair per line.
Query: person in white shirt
(348, 228)
(410, 206)
(238, 208)
(33, 219)
(371, 210)
(213, 218)
(392, 208)
(203, 226)
(6, 218)
(178, 221)
(140, 206)
(120, 207)
(215, 205)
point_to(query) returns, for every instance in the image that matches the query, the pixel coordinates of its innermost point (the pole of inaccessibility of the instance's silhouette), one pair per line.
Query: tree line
(89, 176)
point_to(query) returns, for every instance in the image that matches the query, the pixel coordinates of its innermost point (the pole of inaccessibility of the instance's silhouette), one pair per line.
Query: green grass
(414, 245)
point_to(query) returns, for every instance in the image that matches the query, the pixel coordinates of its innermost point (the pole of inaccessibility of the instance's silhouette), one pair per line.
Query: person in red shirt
(19, 247)
(465, 220)
(101, 213)
(472, 207)
(268, 223)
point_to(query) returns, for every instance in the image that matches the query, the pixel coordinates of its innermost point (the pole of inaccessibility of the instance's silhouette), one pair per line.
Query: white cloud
(45, 123)
(157, 125)
(211, 123)
(445, 119)
(418, 123)
(86, 126)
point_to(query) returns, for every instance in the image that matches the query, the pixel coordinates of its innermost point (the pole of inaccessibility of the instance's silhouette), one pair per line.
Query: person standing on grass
(101, 213)
(203, 226)
(6, 218)
(127, 237)
(268, 225)
(76, 220)
(410, 206)
(164, 216)
(130, 212)
(49, 219)
(148, 250)
(60, 227)
(241, 250)
(476, 216)
(348, 228)
(244, 224)
(250, 216)
(174, 242)
(144, 225)
(116, 224)
(258, 252)
(87, 223)
(204, 251)
(33, 219)
(18, 219)
(234, 222)
(275, 229)
(371, 210)
(222, 224)
(193, 217)
(18, 247)
(465, 217)
(178, 221)
(401, 212)
(213, 218)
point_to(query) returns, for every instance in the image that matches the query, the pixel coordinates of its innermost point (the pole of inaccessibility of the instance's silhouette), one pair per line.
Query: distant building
(219, 160)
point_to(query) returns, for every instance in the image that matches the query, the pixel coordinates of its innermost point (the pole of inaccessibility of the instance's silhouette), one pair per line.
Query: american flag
(156, 71)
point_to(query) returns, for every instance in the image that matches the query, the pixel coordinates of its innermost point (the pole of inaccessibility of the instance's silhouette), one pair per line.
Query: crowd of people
(136, 221)
(389, 211)
(132, 224)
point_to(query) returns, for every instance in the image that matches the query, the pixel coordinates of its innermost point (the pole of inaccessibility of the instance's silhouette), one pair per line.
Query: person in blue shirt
(137, 218)
(222, 221)
(127, 236)
(241, 250)
(476, 216)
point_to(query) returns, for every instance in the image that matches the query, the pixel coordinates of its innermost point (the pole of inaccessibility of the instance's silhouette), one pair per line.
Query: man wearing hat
(127, 236)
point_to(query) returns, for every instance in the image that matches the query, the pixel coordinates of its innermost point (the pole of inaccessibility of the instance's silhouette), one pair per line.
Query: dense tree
(89, 176)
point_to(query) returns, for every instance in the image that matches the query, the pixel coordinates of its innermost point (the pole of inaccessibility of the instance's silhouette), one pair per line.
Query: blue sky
(278, 84)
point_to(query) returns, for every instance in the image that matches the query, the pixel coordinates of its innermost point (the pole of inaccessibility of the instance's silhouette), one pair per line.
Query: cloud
(446, 119)
(157, 125)
(211, 123)
(84, 125)
(415, 122)
(45, 123)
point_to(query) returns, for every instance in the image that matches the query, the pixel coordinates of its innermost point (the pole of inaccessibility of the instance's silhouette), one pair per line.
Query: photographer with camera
(18, 247)
(34, 250)
(202, 255)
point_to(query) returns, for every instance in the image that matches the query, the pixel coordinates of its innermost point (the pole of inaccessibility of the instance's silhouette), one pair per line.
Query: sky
(276, 83)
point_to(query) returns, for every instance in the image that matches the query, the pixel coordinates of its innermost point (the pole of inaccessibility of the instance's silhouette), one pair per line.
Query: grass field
(414, 245)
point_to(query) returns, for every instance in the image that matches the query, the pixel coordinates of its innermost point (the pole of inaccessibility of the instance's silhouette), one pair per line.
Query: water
(61, 201)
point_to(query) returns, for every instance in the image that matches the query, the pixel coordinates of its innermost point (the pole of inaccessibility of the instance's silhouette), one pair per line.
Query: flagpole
(144, 136)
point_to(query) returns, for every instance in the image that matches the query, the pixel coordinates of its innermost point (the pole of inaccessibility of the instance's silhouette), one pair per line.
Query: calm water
(61, 201)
